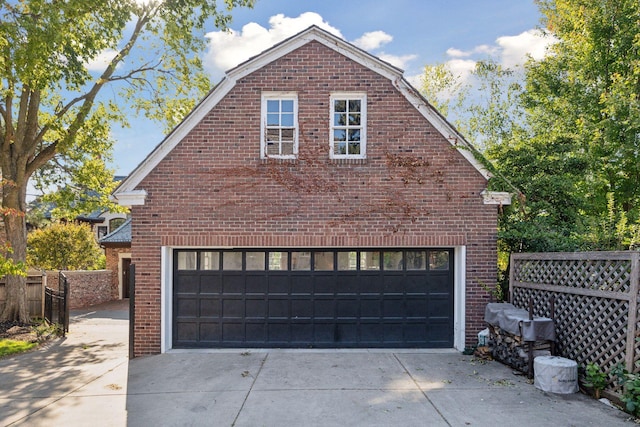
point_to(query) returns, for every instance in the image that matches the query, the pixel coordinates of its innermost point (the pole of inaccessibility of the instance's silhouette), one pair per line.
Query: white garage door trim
(166, 284)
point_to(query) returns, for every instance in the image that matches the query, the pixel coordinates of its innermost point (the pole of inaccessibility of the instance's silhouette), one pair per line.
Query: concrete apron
(86, 379)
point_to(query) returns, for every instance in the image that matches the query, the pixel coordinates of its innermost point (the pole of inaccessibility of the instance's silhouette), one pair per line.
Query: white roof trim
(313, 33)
(130, 198)
(496, 198)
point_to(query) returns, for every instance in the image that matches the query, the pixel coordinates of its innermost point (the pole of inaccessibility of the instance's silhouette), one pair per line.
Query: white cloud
(373, 40)
(398, 61)
(461, 67)
(509, 51)
(228, 49)
(457, 53)
(100, 62)
(514, 49)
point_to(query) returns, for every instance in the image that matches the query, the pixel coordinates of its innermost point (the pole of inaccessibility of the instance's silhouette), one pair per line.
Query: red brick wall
(414, 188)
(86, 288)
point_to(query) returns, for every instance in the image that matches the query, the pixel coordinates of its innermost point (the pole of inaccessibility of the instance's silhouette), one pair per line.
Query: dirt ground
(18, 331)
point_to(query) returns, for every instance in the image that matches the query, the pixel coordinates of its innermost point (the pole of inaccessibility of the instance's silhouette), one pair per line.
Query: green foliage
(587, 93)
(8, 347)
(9, 266)
(563, 134)
(595, 378)
(630, 384)
(56, 60)
(45, 330)
(63, 246)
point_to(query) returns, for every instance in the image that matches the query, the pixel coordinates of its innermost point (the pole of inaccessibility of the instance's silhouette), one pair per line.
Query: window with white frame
(279, 125)
(348, 126)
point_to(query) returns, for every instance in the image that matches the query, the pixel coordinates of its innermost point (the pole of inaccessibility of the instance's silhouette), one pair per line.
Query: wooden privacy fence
(35, 300)
(596, 302)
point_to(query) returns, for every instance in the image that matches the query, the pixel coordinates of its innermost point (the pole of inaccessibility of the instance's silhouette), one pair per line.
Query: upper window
(279, 125)
(348, 126)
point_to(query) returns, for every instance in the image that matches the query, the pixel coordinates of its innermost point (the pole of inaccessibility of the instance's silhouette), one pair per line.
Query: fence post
(44, 285)
(633, 312)
(66, 305)
(512, 262)
(132, 308)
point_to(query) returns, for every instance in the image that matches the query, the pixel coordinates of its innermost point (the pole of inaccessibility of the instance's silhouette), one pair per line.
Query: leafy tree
(569, 139)
(64, 246)
(586, 92)
(54, 111)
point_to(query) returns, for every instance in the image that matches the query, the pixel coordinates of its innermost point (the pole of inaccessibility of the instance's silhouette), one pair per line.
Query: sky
(407, 33)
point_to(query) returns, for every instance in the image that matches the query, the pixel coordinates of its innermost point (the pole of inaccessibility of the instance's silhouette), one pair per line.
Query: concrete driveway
(86, 379)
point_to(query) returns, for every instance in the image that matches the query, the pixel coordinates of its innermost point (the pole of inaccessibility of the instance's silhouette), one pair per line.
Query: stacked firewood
(513, 350)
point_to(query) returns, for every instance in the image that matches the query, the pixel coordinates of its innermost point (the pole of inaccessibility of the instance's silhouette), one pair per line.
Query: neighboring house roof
(127, 193)
(93, 217)
(121, 236)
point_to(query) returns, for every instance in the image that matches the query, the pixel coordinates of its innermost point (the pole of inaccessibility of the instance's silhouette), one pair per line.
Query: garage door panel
(301, 334)
(417, 308)
(256, 285)
(372, 285)
(393, 308)
(364, 305)
(301, 309)
(255, 332)
(188, 284)
(325, 284)
(210, 307)
(348, 285)
(415, 284)
(393, 333)
(370, 308)
(324, 309)
(346, 333)
(233, 284)
(439, 307)
(233, 332)
(188, 307)
(279, 333)
(439, 283)
(279, 308)
(279, 285)
(255, 308)
(347, 308)
(210, 284)
(233, 308)
(394, 285)
(210, 332)
(415, 333)
(187, 331)
(324, 333)
(371, 334)
(301, 285)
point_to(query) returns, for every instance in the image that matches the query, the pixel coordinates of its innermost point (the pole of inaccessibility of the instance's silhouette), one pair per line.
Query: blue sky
(407, 33)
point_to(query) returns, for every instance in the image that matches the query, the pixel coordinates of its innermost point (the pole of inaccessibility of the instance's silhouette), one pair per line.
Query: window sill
(278, 160)
(347, 161)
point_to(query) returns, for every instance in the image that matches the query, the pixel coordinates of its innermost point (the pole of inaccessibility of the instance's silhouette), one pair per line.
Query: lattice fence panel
(604, 275)
(593, 294)
(588, 329)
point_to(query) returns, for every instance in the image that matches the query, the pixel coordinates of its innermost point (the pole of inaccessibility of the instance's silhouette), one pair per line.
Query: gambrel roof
(128, 194)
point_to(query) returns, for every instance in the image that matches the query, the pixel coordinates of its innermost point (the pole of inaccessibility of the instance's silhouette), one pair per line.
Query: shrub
(64, 246)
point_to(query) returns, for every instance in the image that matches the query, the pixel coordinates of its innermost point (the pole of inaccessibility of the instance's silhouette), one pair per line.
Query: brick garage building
(312, 199)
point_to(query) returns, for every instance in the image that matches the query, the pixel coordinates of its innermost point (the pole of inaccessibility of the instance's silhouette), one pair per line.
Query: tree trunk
(14, 194)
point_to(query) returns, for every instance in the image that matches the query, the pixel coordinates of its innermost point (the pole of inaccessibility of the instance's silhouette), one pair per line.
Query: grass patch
(8, 347)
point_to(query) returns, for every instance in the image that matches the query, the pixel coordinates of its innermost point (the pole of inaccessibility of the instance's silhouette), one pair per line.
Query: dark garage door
(313, 298)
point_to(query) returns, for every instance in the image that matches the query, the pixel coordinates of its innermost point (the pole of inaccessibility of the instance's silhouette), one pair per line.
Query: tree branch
(87, 100)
